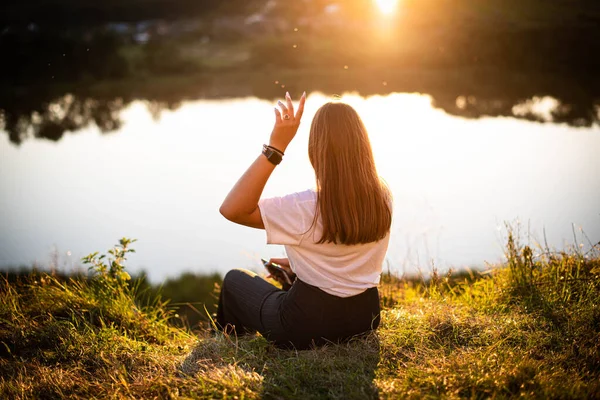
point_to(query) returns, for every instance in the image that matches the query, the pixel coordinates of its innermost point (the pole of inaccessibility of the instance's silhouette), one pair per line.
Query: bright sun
(387, 6)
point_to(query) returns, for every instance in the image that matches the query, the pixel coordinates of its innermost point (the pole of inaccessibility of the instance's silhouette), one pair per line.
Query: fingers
(290, 105)
(280, 261)
(275, 278)
(301, 106)
(284, 109)
(277, 115)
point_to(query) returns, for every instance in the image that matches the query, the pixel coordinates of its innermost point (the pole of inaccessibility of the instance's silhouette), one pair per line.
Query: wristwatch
(273, 155)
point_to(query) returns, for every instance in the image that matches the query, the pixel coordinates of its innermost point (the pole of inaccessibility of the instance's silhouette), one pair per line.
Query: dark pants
(302, 317)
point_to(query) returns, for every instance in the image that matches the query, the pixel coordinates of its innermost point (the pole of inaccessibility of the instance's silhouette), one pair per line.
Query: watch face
(272, 155)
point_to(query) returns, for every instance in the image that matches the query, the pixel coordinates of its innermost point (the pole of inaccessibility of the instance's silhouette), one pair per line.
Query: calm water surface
(455, 183)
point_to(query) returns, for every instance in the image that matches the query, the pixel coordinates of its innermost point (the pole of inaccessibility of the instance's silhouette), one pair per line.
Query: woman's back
(337, 269)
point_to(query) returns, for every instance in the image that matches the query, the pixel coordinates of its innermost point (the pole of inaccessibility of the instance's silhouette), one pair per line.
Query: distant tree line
(67, 40)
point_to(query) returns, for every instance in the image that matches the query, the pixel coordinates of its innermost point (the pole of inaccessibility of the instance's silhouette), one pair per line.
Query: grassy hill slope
(529, 328)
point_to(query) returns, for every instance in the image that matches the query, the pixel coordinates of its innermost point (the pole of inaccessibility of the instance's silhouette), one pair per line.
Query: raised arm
(241, 204)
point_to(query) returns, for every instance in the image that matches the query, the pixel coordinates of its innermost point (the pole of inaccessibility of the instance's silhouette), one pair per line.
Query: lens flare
(387, 7)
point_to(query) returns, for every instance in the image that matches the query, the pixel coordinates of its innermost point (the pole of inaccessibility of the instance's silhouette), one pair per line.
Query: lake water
(455, 182)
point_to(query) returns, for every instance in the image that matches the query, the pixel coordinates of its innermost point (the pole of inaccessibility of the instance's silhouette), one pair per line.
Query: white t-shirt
(340, 270)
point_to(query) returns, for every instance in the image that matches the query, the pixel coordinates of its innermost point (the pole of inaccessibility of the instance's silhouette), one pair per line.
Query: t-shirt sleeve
(285, 218)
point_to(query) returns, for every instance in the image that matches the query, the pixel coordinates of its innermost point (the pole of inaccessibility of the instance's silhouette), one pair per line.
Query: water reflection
(67, 113)
(161, 180)
(49, 113)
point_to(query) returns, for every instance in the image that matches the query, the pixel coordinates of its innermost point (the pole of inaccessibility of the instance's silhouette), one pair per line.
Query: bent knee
(237, 273)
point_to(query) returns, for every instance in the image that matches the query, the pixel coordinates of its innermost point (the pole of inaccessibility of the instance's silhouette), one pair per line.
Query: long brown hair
(353, 202)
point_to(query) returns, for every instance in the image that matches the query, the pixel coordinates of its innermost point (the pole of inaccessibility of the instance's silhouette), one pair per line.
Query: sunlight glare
(387, 7)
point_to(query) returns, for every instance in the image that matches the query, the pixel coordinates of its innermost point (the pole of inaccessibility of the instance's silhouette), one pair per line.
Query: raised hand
(241, 204)
(286, 122)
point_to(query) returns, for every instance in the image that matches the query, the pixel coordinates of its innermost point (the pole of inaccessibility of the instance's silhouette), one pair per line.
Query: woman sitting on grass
(335, 236)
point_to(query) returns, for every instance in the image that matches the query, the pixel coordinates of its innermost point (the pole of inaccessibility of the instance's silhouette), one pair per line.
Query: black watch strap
(272, 155)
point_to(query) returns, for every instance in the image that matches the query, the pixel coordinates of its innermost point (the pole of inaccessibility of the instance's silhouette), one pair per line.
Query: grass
(529, 328)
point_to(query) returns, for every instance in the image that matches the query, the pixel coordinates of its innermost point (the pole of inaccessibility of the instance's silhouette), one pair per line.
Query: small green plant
(109, 274)
(523, 270)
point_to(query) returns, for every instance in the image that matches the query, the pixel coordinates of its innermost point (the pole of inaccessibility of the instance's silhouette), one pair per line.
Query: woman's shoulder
(299, 200)
(305, 196)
